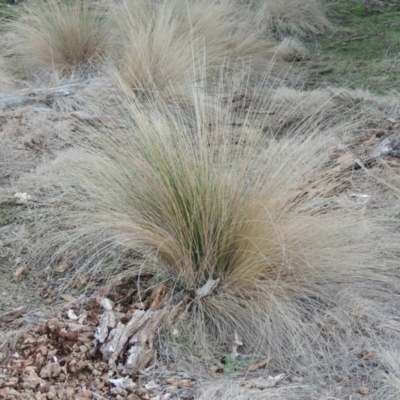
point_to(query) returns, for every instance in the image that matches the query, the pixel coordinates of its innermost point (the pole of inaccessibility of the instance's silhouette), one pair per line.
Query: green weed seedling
(229, 364)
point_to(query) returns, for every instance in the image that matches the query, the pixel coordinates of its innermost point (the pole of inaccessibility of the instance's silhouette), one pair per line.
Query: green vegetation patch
(364, 49)
(228, 364)
(7, 11)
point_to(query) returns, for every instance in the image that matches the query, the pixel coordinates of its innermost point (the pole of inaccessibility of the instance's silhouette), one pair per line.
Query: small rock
(117, 390)
(96, 372)
(51, 370)
(54, 324)
(69, 392)
(22, 198)
(125, 383)
(107, 304)
(188, 393)
(12, 382)
(172, 389)
(83, 349)
(72, 315)
(13, 392)
(62, 377)
(151, 385)
(87, 394)
(363, 390)
(133, 396)
(31, 379)
(52, 393)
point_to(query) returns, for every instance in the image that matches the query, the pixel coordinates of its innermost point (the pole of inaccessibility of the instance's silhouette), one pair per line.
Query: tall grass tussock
(150, 46)
(168, 46)
(295, 272)
(63, 36)
(298, 18)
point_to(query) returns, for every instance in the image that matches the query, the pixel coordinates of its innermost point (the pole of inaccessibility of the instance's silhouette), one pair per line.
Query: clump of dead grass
(299, 18)
(62, 36)
(291, 49)
(169, 46)
(298, 277)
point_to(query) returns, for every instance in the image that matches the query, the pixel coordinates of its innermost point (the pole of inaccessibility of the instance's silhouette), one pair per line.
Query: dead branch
(43, 97)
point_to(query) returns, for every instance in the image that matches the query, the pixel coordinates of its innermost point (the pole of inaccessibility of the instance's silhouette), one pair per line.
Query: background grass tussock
(62, 35)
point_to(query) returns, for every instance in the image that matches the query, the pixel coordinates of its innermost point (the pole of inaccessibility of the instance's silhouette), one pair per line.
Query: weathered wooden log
(43, 97)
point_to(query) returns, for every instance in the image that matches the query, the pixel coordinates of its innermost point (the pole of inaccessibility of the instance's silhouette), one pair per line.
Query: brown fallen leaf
(393, 161)
(258, 365)
(263, 383)
(62, 266)
(80, 282)
(19, 274)
(179, 382)
(68, 297)
(367, 356)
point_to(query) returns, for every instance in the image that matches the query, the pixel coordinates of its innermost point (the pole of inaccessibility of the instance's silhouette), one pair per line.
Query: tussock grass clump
(295, 273)
(168, 46)
(291, 49)
(299, 18)
(62, 35)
